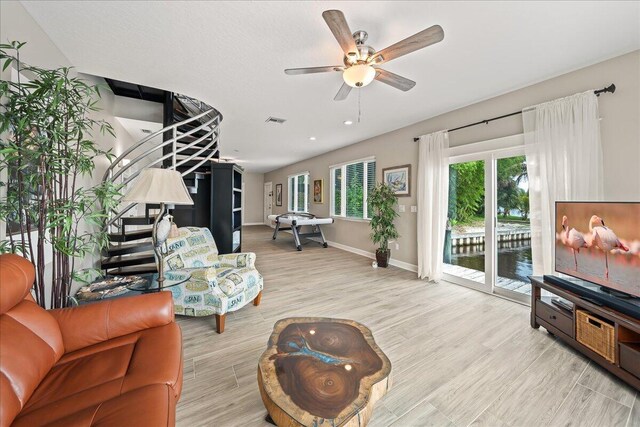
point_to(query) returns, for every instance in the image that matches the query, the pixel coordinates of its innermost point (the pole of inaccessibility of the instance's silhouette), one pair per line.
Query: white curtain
(433, 197)
(564, 162)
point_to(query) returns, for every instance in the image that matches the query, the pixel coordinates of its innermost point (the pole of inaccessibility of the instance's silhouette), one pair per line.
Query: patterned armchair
(218, 284)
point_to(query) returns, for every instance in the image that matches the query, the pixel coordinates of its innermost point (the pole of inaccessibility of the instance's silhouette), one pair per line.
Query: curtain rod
(611, 89)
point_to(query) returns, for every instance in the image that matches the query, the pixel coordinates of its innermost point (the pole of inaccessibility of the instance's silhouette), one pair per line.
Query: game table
(295, 222)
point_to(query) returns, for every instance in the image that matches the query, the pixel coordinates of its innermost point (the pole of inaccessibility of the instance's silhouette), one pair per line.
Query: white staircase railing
(127, 166)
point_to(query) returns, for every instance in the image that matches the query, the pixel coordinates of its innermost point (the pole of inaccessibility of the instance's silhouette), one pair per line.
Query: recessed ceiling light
(312, 138)
(348, 122)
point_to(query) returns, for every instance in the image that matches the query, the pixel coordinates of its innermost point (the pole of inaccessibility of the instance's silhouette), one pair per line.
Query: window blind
(351, 184)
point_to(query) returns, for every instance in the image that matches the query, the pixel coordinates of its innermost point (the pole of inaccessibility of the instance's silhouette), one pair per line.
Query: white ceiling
(232, 56)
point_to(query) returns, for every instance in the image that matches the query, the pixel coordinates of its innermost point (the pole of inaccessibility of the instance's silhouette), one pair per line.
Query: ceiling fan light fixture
(359, 75)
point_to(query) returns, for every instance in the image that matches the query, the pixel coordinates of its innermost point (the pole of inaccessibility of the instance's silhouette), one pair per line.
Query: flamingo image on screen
(600, 242)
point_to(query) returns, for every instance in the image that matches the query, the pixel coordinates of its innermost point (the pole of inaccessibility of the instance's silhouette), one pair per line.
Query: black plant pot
(382, 257)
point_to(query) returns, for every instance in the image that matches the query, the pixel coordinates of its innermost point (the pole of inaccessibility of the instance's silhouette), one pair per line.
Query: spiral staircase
(189, 143)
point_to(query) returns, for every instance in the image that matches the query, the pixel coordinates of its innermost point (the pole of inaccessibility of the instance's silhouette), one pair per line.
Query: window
(350, 186)
(299, 192)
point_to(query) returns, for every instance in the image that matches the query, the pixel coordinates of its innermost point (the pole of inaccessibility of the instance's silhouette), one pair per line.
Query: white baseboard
(400, 264)
(253, 223)
(404, 265)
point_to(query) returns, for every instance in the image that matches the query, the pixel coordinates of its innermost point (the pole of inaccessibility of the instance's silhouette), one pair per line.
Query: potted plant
(383, 201)
(47, 156)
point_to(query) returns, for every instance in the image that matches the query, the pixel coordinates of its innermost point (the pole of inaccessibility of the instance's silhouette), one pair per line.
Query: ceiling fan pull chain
(359, 93)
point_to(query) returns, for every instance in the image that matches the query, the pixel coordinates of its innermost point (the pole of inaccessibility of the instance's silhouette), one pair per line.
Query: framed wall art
(278, 194)
(399, 179)
(318, 190)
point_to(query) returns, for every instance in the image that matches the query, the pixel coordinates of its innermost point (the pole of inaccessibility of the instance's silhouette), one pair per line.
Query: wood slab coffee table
(322, 372)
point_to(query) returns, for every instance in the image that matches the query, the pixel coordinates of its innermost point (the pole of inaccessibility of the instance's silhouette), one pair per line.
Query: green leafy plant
(466, 191)
(46, 152)
(523, 204)
(355, 195)
(383, 201)
(511, 172)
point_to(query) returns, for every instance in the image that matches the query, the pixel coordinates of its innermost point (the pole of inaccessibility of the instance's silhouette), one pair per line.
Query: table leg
(296, 237)
(324, 242)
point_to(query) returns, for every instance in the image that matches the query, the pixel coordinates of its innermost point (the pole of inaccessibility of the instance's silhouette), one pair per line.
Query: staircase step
(203, 168)
(134, 269)
(128, 236)
(181, 156)
(127, 260)
(189, 151)
(129, 248)
(197, 134)
(138, 220)
(190, 138)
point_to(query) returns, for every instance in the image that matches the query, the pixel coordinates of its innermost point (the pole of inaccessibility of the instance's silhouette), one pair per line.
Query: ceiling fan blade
(312, 70)
(394, 80)
(343, 92)
(338, 25)
(417, 41)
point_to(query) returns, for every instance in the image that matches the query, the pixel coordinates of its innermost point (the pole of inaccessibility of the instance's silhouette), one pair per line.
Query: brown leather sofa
(112, 363)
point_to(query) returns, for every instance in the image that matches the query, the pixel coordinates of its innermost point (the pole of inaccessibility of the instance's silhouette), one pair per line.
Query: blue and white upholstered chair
(218, 284)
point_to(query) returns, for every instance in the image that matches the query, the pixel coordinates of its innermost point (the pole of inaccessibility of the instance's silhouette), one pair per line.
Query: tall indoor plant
(46, 152)
(383, 203)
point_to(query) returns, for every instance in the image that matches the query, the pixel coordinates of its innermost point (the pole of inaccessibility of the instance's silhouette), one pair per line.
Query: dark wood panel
(555, 317)
(630, 358)
(226, 205)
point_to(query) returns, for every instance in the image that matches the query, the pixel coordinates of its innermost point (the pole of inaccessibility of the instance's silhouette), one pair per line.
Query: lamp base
(156, 248)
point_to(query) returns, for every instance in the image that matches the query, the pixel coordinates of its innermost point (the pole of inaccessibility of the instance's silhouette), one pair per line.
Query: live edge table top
(322, 372)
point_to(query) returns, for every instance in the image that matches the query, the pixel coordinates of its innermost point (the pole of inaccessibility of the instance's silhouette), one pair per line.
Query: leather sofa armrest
(94, 323)
(241, 260)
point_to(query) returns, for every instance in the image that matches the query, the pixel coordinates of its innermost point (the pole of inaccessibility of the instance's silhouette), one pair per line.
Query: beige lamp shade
(159, 186)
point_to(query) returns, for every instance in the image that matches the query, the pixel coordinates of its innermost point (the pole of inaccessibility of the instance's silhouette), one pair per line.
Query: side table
(121, 286)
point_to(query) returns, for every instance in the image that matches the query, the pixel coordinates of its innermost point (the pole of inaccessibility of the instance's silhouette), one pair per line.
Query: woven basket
(596, 334)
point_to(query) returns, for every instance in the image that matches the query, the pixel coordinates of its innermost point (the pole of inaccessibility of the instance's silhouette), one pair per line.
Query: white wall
(620, 129)
(17, 24)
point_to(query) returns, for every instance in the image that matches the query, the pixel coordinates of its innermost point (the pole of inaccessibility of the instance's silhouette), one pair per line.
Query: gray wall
(620, 128)
(253, 193)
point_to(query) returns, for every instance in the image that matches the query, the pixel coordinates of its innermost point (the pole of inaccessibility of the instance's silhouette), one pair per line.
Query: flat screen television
(600, 242)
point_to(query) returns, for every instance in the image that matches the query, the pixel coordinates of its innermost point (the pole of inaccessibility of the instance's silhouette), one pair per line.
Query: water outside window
(465, 252)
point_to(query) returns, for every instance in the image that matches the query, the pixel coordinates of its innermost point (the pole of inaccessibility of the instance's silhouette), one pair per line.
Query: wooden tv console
(561, 323)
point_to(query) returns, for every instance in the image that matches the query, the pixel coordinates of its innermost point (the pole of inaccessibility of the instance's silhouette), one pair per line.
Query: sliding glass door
(464, 254)
(513, 230)
(488, 244)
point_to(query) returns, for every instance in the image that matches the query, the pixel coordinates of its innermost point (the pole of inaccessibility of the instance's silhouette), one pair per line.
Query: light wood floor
(459, 357)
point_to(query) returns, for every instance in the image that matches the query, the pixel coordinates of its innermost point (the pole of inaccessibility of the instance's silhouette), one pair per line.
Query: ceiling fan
(361, 62)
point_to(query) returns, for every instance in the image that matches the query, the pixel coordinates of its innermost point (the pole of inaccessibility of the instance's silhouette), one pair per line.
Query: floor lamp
(163, 186)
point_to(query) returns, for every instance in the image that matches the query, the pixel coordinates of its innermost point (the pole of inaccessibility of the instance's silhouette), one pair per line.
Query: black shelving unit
(226, 206)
